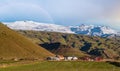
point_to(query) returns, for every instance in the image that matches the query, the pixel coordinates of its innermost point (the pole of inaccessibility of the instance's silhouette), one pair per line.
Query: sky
(63, 12)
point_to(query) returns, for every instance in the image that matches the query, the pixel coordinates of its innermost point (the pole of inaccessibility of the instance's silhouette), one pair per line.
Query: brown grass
(14, 45)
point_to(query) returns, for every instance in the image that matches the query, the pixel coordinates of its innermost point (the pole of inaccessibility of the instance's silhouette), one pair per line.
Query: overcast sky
(63, 12)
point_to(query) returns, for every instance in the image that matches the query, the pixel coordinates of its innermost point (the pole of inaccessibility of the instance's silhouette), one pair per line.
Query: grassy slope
(110, 46)
(14, 45)
(59, 49)
(64, 66)
(69, 52)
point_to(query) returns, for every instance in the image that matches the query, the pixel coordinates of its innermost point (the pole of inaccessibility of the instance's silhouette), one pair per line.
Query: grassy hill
(14, 45)
(60, 49)
(95, 46)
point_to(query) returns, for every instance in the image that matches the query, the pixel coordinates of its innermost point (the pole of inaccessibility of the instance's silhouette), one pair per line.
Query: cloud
(73, 8)
(24, 11)
(66, 12)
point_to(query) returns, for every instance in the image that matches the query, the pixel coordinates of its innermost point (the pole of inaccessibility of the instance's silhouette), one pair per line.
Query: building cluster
(62, 58)
(73, 58)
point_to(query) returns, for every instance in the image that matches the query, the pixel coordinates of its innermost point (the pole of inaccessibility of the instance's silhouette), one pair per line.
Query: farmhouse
(71, 58)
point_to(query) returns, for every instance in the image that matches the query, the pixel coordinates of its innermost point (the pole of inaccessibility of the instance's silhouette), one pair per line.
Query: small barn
(98, 58)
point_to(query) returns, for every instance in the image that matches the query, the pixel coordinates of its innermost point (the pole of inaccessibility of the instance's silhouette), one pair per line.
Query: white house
(71, 58)
(74, 58)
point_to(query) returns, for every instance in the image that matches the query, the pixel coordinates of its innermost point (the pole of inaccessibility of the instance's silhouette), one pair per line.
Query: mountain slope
(60, 49)
(81, 44)
(14, 45)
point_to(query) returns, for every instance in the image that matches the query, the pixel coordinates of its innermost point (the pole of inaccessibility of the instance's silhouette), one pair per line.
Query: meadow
(63, 66)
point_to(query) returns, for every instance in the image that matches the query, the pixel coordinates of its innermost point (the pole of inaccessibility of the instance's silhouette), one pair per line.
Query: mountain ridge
(103, 31)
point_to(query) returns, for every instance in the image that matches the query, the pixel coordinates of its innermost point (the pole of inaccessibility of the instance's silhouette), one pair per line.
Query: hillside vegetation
(79, 44)
(14, 45)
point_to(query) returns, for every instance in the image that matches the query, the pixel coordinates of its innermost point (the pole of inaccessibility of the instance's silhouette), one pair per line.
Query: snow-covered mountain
(92, 30)
(30, 25)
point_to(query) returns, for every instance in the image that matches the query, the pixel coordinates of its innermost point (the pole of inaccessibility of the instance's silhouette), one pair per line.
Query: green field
(63, 66)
